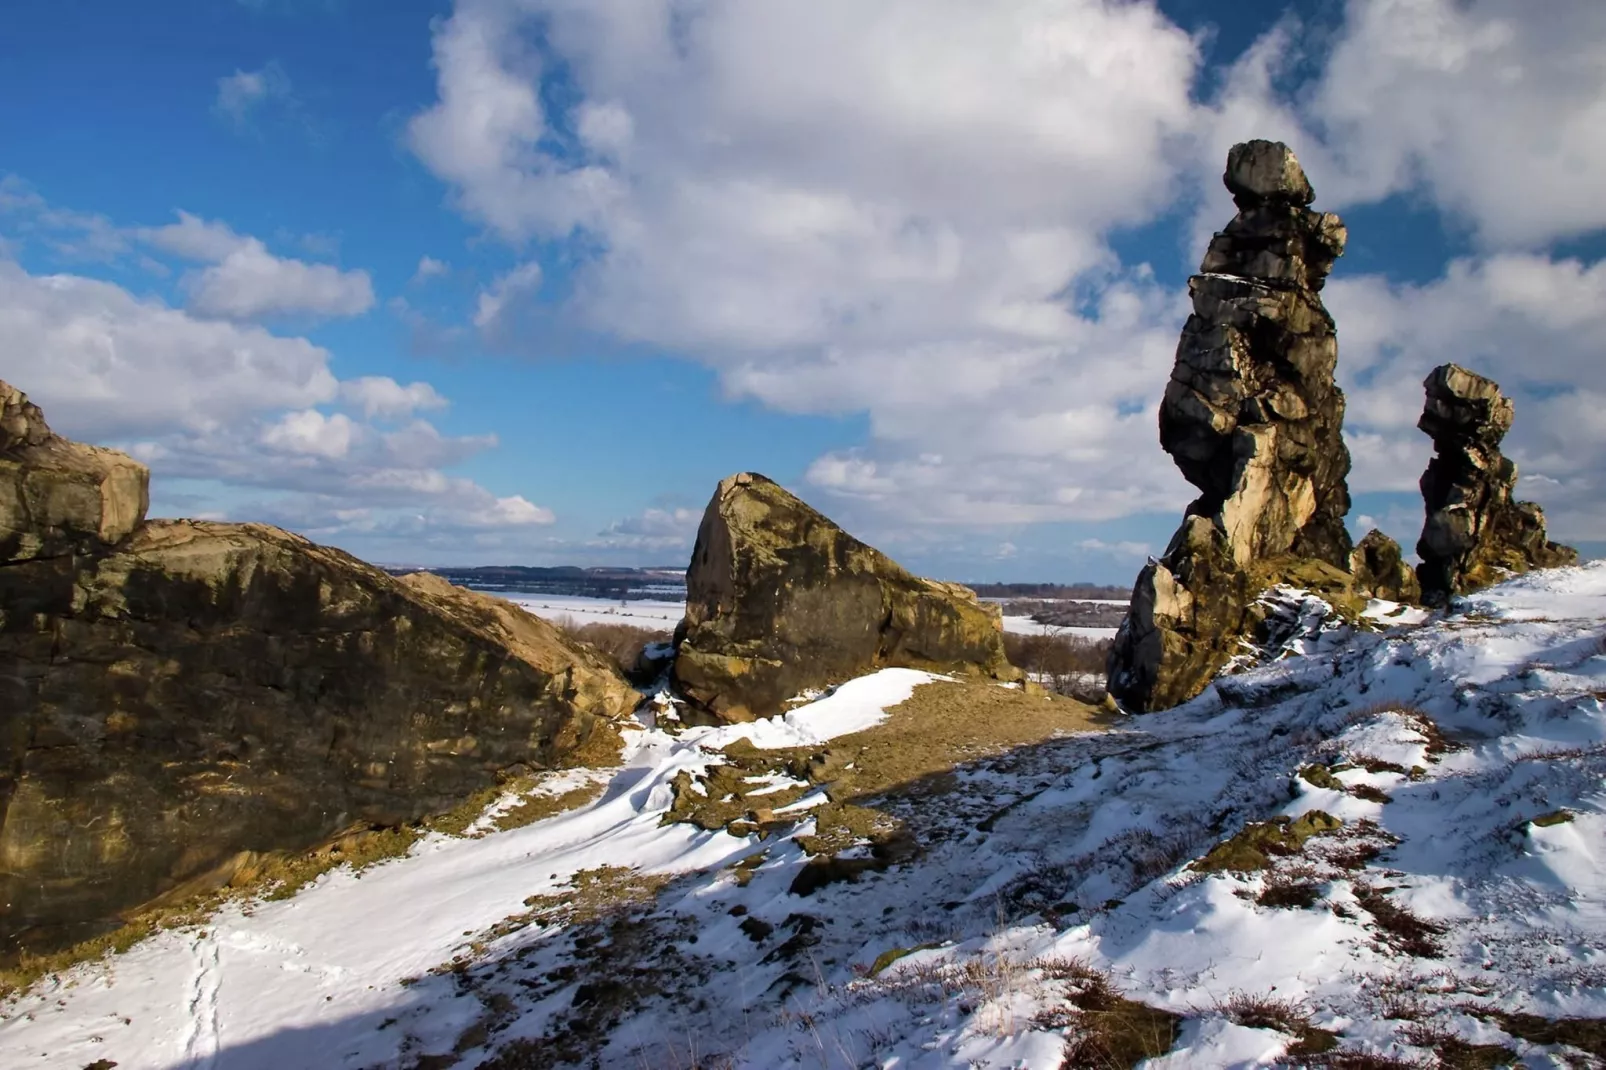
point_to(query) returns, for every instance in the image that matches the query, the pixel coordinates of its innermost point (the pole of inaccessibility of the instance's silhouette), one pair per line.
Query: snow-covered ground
(1467, 879)
(1028, 626)
(661, 616)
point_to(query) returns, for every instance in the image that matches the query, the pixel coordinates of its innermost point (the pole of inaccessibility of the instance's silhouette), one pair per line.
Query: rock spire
(1253, 418)
(1474, 530)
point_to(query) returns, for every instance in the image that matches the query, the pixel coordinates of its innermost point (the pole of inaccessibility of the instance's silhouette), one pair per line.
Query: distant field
(663, 615)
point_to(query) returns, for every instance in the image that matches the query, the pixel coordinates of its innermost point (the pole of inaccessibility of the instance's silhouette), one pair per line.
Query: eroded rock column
(1474, 531)
(1253, 418)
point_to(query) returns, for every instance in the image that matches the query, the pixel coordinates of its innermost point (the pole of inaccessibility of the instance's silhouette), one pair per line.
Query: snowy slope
(1437, 905)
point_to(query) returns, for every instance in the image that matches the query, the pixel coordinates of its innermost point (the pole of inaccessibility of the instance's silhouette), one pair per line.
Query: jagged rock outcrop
(780, 600)
(1474, 531)
(1253, 418)
(60, 497)
(1380, 569)
(174, 694)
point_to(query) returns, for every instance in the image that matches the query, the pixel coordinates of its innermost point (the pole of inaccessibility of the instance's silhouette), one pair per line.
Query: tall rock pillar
(1253, 418)
(1474, 530)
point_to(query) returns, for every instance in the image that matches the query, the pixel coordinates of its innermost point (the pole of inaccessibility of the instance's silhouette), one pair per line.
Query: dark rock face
(1380, 569)
(1253, 418)
(1474, 531)
(204, 690)
(780, 600)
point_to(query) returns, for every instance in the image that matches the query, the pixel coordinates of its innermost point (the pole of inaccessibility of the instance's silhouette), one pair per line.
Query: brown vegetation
(1065, 664)
(622, 643)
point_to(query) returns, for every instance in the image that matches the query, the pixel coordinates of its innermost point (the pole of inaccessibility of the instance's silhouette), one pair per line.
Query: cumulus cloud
(241, 94)
(905, 210)
(210, 399)
(245, 281)
(653, 530)
(1535, 324)
(380, 395)
(898, 208)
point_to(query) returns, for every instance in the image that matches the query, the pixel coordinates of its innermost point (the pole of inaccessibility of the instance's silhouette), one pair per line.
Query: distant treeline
(1049, 590)
(603, 582)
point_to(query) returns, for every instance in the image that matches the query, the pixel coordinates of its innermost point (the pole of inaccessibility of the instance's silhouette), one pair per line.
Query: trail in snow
(200, 1044)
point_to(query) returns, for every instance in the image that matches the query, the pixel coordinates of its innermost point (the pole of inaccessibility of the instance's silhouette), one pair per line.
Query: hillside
(1082, 890)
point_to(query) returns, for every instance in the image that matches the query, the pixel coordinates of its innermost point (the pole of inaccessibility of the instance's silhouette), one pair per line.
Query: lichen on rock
(1474, 531)
(780, 600)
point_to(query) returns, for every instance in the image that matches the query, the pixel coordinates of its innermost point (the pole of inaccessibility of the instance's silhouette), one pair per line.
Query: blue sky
(520, 280)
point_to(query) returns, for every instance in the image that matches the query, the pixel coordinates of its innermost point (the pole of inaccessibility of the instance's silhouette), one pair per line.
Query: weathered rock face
(1474, 531)
(207, 689)
(1253, 418)
(1380, 569)
(779, 600)
(59, 497)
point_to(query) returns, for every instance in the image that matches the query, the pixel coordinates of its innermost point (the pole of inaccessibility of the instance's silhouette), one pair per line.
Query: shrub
(1067, 664)
(622, 643)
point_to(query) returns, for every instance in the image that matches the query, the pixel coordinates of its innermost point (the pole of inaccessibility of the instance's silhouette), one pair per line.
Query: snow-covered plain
(662, 616)
(1078, 848)
(657, 615)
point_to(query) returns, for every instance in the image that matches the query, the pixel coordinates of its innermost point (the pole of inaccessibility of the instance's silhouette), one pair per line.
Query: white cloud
(380, 395)
(310, 431)
(892, 208)
(1535, 324)
(430, 268)
(240, 94)
(244, 281)
(904, 209)
(493, 302)
(1490, 110)
(215, 400)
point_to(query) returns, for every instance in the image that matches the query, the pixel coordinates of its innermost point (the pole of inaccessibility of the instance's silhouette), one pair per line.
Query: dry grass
(1105, 1029)
(1398, 926)
(1282, 1015)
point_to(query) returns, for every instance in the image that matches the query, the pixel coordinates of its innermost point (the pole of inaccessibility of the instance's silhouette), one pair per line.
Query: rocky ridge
(780, 600)
(182, 696)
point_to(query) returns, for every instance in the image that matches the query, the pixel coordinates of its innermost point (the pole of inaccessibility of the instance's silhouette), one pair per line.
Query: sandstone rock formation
(1253, 418)
(174, 694)
(1474, 531)
(1379, 569)
(779, 600)
(60, 497)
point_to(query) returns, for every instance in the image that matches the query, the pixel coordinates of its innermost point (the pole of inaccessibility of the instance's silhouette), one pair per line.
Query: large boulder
(1474, 531)
(779, 600)
(206, 690)
(1254, 419)
(59, 497)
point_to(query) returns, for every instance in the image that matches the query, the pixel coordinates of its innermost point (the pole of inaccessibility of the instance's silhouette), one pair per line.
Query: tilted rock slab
(206, 690)
(1474, 531)
(1253, 418)
(779, 600)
